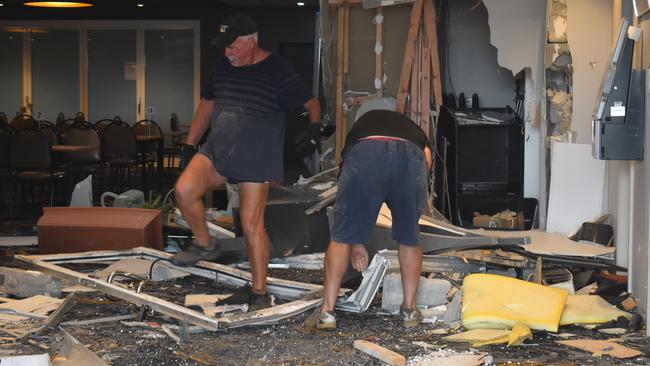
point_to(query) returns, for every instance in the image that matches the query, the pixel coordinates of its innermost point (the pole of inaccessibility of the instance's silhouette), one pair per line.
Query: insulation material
(576, 189)
(589, 309)
(561, 106)
(491, 301)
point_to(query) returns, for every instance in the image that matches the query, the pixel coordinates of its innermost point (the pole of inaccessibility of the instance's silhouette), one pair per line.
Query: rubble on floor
(486, 297)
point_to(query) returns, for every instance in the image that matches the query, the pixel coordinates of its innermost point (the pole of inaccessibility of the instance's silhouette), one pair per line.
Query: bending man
(386, 158)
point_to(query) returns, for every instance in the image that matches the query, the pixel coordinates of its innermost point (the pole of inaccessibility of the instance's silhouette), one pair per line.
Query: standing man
(244, 103)
(386, 158)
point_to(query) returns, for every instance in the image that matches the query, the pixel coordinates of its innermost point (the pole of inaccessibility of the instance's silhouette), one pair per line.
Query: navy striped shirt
(247, 127)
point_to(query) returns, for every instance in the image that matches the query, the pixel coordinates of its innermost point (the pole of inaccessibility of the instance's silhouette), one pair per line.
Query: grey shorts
(375, 172)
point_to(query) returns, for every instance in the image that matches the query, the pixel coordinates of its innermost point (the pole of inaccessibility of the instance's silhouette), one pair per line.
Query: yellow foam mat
(497, 302)
(483, 337)
(589, 309)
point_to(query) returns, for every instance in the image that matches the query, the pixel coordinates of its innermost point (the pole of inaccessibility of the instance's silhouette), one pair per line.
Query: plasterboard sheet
(577, 183)
(18, 241)
(549, 243)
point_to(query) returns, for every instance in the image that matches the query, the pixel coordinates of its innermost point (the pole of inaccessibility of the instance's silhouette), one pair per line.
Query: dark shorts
(374, 172)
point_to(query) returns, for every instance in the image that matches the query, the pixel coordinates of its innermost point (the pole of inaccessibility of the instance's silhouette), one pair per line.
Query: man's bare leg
(336, 263)
(359, 257)
(252, 201)
(197, 179)
(410, 264)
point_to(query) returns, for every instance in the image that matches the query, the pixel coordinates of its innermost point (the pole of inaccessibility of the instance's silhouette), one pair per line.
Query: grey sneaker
(193, 253)
(410, 317)
(326, 321)
(322, 321)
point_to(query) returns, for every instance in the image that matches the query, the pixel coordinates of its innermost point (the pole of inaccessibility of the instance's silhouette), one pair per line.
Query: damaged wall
(517, 30)
(469, 60)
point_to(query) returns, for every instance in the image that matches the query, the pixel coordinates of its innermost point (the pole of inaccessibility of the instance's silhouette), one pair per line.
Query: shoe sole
(411, 323)
(326, 326)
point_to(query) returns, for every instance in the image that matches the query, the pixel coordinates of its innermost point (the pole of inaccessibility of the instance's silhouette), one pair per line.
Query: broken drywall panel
(557, 22)
(576, 189)
(553, 52)
(471, 59)
(560, 107)
(589, 33)
(430, 292)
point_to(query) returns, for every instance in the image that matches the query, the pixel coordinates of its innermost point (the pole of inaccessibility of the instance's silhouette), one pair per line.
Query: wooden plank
(55, 318)
(379, 352)
(432, 35)
(426, 88)
(416, 82)
(409, 54)
(340, 134)
(346, 41)
(379, 57)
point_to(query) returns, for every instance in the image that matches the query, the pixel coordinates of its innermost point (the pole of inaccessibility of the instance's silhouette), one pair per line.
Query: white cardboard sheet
(576, 192)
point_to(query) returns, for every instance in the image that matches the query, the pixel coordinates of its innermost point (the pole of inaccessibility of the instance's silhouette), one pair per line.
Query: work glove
(308, 140)
(187, 152)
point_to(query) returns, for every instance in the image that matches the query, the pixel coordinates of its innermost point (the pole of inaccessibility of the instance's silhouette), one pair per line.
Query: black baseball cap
(232, 26)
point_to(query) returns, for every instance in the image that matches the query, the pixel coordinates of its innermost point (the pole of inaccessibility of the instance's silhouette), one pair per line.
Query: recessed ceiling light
(1, 4)
(300, 3)
(140, 5)
(58, 4)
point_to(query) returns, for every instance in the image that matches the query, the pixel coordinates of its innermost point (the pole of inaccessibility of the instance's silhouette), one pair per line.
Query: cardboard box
(502, 220)
(82, 229)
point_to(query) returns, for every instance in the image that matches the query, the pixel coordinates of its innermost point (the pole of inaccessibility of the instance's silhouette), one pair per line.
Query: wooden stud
(415, 82)
(409, 54)
(426, 88)
(379, 352)
(432, 36)
(346, 40)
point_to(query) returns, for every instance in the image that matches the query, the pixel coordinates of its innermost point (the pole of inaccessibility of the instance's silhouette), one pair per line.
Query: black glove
(308, 140)
(187, 152)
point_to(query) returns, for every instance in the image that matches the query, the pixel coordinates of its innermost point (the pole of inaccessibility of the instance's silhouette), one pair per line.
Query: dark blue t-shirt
(247, 127)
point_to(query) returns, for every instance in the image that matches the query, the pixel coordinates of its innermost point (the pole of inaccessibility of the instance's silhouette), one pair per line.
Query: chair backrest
(80, 117)
(23, 122)
(30, 150)
(147, 127)
(118, 141)
(82, 134)
(60, 118)
(5, 141)
(65, 125)
(50, 131)
(174, 124)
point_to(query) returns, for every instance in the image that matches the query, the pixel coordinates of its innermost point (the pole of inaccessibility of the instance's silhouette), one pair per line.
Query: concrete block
(431, 292)
(23, 283)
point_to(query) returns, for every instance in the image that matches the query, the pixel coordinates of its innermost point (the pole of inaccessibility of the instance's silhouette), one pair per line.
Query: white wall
(472, 61)
(589, 26)
(518, 31)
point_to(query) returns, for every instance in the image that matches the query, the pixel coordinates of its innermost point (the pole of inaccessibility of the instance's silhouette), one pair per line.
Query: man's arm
(200, 121)
(427, 155)
(313, 108)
